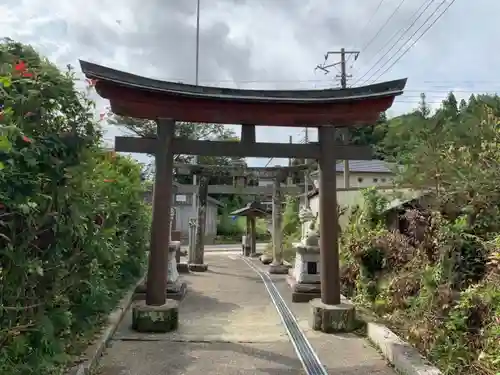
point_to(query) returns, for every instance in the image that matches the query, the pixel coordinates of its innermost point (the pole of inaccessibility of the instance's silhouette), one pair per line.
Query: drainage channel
(303, 348)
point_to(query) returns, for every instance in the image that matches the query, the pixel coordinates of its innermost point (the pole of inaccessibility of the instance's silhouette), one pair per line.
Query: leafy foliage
(437, 279)
(73, 225)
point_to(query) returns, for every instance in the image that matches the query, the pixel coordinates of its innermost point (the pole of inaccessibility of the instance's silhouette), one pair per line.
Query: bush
(438, 286)
(74, 227)
(232, 230)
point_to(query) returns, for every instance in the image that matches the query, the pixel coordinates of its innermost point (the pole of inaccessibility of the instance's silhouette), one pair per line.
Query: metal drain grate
(303, 348)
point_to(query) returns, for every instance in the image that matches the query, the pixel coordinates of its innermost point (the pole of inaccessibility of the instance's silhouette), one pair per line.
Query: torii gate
(168, 102)
(240, 174)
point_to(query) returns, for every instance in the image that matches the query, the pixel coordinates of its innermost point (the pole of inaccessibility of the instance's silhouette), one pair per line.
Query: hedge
(73, 224)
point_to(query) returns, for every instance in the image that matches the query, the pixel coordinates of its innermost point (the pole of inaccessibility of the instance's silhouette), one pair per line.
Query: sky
(271, 44)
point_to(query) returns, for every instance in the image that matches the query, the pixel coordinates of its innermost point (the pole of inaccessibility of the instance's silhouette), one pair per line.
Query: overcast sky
(268, 43)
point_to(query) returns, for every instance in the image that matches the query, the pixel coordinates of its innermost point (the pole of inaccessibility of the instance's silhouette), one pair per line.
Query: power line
(382, 27)
(418, 14)
(368, 23)
(418, 38)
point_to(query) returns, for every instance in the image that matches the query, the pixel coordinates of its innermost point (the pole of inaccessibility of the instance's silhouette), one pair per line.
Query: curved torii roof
(136, 96)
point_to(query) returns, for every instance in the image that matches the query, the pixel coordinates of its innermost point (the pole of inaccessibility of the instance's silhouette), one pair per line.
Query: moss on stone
(155, 319)
(332, 319)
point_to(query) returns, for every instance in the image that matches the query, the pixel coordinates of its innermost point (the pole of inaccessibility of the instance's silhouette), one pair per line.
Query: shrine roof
(132, 81)
(251, 209)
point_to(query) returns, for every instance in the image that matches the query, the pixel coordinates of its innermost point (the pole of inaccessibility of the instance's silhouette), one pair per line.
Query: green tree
(147, 128)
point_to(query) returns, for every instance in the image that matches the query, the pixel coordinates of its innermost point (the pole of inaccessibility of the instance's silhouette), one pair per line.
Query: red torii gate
(168, 102)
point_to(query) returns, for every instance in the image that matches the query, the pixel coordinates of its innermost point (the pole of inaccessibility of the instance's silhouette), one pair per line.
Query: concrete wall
(184, 211)
(362, 180)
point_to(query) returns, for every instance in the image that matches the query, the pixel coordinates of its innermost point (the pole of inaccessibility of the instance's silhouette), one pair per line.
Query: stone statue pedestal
(176, 288)
(304, 278)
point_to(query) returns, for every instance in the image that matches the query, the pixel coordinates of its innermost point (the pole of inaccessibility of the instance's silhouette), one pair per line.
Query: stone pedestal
(304, 278)
(182, 267)
(332, 318)
(176, 288)
(278, 269)
(155, 319)
(266, 259)
(245, 245)
(197, 267)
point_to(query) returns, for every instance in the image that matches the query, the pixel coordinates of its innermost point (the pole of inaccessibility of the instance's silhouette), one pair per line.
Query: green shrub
(73, 227)
(439, 288)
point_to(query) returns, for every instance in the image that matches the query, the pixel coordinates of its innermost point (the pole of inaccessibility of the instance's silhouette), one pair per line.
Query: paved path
(229, 247)
(228, 326)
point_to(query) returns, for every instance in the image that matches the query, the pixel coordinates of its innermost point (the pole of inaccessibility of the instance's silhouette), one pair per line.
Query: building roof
(251, 209)
(364, 166)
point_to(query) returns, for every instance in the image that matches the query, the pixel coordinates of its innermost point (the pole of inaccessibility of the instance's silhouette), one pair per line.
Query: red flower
(27, 140)
(27, 74)
(20, 66)
(106, 180)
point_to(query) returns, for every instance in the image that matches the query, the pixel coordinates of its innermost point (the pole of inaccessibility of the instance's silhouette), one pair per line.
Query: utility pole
(343, 84)
(197, 69)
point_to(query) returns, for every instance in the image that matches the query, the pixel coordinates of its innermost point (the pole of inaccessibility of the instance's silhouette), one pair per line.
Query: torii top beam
(136, 96)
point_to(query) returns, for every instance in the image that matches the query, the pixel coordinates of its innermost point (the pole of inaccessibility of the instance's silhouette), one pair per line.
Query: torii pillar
(157, 313)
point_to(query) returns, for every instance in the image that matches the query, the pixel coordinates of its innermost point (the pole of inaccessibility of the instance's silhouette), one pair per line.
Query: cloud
(262, 43)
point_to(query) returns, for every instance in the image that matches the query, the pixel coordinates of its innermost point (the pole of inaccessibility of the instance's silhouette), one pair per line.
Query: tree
(147, 129)
(423, 107)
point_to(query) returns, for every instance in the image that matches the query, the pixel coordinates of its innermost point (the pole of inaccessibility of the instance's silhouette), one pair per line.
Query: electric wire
(368, 23)
(417, 14)
(415, 41)
(370, 42)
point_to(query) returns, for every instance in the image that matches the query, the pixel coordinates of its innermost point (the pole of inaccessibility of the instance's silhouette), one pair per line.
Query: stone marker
(181, 266)
(277, 266)
(196, 262)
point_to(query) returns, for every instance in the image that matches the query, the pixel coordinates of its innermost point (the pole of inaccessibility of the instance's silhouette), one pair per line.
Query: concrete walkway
(229, 325)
